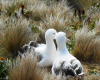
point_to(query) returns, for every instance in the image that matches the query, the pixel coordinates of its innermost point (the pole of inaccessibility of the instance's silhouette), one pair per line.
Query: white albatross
(45, 51)
(65, 64)
(48, 50)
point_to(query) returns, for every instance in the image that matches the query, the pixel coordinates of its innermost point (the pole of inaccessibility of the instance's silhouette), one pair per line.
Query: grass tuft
(14, 37)
(26, 70)
(87, 46)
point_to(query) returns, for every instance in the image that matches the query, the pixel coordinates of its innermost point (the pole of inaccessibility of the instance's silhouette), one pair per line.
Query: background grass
(17, 29)
(13, 38)
(87, 46)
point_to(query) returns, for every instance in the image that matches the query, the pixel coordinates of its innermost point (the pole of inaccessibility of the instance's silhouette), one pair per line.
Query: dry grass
(39, 10)
(44, 14)
(13, 5)
(97, 26)
(55, 15)
(13, 37)
(91, 71)
(26, 70)
(93, 13)
(87, 46)
(89, 3)
(54, 22)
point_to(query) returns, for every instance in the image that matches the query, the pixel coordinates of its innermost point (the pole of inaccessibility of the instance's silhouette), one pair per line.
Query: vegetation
(3, 68)
(24, 20)
(87, 46)
(13, 38)
(90, 3)
(26, 70)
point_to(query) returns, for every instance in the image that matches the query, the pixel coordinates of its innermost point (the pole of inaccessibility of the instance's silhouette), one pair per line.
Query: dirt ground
(91, 71)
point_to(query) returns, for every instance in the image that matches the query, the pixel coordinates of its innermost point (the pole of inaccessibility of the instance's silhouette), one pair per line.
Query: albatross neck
(50, 43)
(62, 48)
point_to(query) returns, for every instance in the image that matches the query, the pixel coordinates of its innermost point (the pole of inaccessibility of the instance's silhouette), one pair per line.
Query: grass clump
(26, 70)
(14, 37)
(87, 46)
(54, 22)
(39, 11)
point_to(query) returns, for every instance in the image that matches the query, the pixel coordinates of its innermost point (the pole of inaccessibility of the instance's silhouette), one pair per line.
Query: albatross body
(47, 52)
(65, 64)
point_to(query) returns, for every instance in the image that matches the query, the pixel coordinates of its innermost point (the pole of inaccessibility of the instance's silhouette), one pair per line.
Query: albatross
(65, 64)
(47, 52)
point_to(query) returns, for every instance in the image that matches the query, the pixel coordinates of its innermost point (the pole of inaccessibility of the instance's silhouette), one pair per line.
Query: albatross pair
(62, 62)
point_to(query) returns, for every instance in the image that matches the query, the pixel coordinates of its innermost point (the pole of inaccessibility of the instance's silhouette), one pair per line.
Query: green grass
(92, 67)
(92, 72)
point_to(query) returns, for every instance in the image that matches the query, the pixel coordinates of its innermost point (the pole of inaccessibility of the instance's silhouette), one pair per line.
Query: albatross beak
(67, 40)
(55, 43)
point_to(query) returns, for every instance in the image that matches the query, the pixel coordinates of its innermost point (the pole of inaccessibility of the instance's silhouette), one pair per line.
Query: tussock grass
(97, 26)
(87, 46)
(13, 37)
(93, 13)
(89, 3)
(40, 11)
(54, 22)
(10, 7)
(54, 15)
(26, 70)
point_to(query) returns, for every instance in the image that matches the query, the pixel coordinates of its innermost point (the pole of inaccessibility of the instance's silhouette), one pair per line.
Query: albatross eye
(54, 33)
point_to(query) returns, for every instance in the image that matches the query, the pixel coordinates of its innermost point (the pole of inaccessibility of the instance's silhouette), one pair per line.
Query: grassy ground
(24, 20)
(27, 66)
(91, 71)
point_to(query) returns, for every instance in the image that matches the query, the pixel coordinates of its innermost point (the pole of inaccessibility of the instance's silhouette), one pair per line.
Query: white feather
(64, 60)
(47, 50)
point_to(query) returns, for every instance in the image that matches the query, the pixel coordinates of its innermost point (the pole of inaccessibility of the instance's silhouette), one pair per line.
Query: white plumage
(46, 51)
(65, 64)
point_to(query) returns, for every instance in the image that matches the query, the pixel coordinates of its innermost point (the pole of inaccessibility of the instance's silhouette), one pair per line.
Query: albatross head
(50, 34)
(61, 38)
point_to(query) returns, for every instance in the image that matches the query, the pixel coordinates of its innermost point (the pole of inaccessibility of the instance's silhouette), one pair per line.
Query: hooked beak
(55, 43)
(67, 40)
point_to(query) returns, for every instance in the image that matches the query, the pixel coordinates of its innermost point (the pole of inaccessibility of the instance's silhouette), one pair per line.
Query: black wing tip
(24, 48)
(33, 43)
